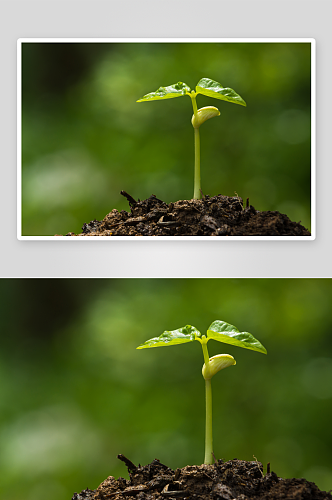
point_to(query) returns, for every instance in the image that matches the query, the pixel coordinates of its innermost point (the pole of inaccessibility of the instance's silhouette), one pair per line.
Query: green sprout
(206, 87)
(222, 332)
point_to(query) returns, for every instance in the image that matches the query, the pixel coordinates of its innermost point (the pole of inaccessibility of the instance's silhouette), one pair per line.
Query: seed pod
(204, 114)
(217, 363)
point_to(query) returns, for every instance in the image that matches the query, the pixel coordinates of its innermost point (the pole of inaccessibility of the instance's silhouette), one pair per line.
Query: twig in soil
(268, 468)
(258, 466)
(216, 465)
(134, 490)
(206, 475)
(130, 199)
(247, 204)
(129, 464)
(177, 474)
(153, 197)
(173, 493)
(158, 462)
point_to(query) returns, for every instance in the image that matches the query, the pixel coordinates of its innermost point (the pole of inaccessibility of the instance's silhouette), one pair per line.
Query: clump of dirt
(211, 216)
(232, 480)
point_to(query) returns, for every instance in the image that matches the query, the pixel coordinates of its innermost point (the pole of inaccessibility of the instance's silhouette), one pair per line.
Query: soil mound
(211, 216)
(232, 480)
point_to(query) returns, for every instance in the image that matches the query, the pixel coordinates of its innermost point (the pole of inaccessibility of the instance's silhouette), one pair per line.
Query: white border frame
(312, 41)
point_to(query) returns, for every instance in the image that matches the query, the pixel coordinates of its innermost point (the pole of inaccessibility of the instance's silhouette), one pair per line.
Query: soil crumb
(211, 216)
(232, 480)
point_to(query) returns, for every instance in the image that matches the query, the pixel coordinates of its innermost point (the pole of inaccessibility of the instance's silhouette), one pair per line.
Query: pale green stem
(197, 177)
(204, 342)
(197, 180)
(208, 459)
(193, 100)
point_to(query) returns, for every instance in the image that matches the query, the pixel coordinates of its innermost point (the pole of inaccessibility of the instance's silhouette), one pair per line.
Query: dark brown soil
(232, 480)
(211, 216)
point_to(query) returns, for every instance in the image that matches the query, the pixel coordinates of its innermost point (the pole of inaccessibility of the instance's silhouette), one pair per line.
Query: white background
(177, 19)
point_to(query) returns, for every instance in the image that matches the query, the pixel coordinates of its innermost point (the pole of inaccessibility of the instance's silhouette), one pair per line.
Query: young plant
(222, 332)
(206, 87)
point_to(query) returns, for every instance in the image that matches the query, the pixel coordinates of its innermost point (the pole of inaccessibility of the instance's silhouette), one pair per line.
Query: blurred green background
(84, 137)
(75, 392)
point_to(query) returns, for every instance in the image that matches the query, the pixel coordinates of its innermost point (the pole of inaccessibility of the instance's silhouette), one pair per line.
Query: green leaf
(224, 332)
(176, 90)
(214, 89)
(181, 336)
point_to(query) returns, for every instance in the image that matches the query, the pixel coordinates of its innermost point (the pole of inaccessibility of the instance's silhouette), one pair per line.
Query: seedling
(206, 87)
(222, 332)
